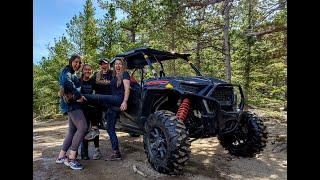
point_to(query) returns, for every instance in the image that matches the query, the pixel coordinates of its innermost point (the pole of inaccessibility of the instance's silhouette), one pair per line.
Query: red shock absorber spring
(183, 109)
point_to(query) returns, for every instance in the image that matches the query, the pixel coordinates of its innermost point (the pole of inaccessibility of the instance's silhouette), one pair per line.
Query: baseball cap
(103, 60)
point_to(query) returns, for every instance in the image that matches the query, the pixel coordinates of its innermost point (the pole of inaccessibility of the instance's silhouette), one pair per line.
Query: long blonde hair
(120, 75)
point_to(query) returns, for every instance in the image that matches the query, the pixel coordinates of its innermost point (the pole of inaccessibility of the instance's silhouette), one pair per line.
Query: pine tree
(90, 33)
(109, 32)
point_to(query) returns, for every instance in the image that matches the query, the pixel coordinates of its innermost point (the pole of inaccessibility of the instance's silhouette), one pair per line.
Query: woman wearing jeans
(69, 83)
(120, 89)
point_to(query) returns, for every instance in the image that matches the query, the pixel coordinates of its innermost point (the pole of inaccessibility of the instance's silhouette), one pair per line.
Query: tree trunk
(226, 40)
(173, 48)
(286, 61)
(247, 68)
(133, 36)
(173, 28)
(199, 40)
(198, 61)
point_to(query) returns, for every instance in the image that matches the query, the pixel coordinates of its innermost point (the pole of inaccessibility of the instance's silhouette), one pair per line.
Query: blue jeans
(103, 100)
(111, 115)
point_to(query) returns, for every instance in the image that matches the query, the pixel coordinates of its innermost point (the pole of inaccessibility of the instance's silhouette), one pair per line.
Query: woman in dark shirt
(103, 78)
(120, 89)
(90, 112)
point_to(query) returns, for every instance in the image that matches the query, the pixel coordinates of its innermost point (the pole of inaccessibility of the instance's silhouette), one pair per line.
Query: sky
(49, 21)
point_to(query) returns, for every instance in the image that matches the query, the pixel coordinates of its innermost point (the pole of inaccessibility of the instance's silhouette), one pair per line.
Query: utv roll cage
(140, 57)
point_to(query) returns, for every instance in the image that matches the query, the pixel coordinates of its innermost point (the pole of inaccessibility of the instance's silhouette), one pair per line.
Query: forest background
(240, 41)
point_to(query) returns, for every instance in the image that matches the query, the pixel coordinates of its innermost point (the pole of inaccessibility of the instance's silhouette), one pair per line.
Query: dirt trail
(208, 159)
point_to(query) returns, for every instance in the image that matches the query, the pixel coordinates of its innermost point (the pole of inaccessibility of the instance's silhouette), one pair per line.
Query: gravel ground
(208, 160)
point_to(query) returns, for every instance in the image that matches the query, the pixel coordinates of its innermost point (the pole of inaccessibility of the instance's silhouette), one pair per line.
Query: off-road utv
(169, 111)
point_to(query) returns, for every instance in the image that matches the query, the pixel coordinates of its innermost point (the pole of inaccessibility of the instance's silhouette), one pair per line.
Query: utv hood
(195, 84)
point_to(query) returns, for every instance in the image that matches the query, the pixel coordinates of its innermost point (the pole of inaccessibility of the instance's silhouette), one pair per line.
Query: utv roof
(135, 58)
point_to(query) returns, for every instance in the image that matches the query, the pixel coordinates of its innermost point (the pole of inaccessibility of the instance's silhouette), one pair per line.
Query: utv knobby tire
(248, 139)
(164, 131)
(134, 135)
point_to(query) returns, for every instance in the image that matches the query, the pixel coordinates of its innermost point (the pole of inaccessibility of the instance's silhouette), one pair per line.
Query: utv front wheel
(166, 142)
(248, 139)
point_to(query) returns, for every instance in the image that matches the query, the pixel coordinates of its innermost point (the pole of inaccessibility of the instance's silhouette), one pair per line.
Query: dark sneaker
(92, 134)
(96, 154)
(61, 160)
(73, 164)
(116, 156)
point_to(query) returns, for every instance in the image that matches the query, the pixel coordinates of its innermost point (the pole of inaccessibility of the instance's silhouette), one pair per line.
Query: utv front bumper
(221, 109)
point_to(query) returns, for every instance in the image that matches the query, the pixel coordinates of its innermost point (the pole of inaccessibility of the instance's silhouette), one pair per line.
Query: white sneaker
(92, 134)
(96, 154)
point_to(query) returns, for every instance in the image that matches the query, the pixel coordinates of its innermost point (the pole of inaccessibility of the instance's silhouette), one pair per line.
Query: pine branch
(200, 4)
(268, 31)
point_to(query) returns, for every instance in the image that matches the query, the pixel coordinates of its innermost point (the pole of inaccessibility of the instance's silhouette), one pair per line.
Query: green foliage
(90, 33)
(109, 33)
(175, 26)
(75, 32)
(45, 78)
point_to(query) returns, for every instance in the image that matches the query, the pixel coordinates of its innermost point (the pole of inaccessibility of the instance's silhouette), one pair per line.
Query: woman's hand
(81, 99)
(123, 106)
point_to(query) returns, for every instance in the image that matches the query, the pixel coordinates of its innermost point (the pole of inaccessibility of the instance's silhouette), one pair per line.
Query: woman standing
(90, 112)
(120, 89)
(69, 103)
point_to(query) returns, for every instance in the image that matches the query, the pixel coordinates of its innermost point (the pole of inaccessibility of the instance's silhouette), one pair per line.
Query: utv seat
(134, 100)
(115, 108)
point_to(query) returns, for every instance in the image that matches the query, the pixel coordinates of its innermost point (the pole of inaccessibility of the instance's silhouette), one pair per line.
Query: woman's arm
(70, 86)
(126, 84)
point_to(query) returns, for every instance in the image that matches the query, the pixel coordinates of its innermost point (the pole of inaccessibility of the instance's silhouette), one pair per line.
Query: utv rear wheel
(248, 139)
(166, 142)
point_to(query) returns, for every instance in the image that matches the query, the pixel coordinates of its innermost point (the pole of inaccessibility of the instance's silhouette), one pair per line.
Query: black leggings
(92, 114)
(95, 141)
